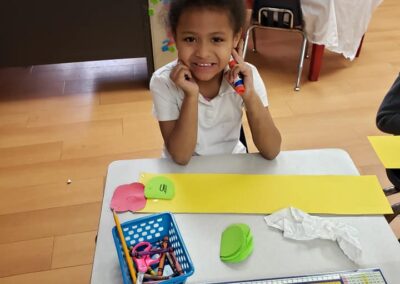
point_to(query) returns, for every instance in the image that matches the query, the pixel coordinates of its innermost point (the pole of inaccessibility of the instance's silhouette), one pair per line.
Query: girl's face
(204, 40)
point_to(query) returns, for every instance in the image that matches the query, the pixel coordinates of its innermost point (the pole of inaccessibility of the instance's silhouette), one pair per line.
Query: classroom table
(273, 255)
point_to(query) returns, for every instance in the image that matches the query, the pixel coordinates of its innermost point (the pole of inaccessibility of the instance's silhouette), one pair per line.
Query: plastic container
(153, 229)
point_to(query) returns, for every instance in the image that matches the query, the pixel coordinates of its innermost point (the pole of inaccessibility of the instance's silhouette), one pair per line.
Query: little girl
(198, 110)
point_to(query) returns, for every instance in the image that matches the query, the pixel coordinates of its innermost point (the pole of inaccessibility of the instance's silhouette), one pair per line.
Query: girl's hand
(244, 70)
(182, 77)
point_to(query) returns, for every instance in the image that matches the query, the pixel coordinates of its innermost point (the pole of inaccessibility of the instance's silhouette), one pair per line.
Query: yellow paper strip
(261, 194)
(388, 150)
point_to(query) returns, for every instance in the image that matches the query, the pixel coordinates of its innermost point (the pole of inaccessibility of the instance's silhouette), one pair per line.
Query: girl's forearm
(182, 141)
(265, 135)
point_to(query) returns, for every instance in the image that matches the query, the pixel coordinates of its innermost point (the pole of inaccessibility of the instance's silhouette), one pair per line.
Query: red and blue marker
(238, 83)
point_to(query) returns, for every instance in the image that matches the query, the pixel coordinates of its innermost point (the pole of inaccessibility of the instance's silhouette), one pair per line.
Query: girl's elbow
(271, 155)
(182, 160)
(272, 152)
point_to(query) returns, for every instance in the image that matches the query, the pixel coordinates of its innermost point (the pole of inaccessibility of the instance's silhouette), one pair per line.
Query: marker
(238, 84)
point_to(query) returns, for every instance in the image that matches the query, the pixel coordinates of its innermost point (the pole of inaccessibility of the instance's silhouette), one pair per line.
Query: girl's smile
(199, 68)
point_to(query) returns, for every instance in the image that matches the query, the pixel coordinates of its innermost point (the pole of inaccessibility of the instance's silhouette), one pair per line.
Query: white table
(273, 255)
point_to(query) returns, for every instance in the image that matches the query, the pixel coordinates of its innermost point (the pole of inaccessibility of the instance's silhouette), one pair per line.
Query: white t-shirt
(219, 120)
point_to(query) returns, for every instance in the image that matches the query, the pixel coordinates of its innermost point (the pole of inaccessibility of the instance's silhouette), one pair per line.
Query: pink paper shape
(128, 197)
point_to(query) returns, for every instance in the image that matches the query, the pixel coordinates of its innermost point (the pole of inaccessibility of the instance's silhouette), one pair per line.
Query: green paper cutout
(154, 2)
(236, 243)
(159, 187)
(151, 12)
(171, 49)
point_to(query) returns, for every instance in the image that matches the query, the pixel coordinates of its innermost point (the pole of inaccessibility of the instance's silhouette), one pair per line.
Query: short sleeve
(259, 86)
(165, 98)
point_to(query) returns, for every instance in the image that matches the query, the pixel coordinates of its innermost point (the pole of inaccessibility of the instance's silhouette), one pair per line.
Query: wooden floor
(69, 121)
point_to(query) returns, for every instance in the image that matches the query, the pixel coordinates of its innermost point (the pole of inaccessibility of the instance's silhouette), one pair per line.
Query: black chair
(394, 191)
(279, 15)
(242, 138)
(394, 177)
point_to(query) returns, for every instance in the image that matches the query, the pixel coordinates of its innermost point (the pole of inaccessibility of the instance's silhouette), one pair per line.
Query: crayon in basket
(238, 84)
(164, 245)
(176, 262)
(171, 262)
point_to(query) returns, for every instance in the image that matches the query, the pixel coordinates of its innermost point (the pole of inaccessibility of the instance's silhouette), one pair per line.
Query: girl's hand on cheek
(245, 72)
(182, 77)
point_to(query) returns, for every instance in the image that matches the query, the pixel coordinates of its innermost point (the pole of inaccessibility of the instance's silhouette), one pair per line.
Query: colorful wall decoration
(164, 49)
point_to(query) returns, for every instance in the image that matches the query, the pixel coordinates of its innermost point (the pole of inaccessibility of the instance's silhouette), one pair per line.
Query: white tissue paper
(299, 225)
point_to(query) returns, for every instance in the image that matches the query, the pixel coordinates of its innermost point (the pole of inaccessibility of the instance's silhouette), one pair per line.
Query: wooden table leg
(316, 61)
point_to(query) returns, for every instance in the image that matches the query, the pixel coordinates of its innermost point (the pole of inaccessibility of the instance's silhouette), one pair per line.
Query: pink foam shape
(128, 197)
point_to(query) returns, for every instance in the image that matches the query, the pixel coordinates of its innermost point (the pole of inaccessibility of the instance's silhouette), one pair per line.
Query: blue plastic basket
(153, 229)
